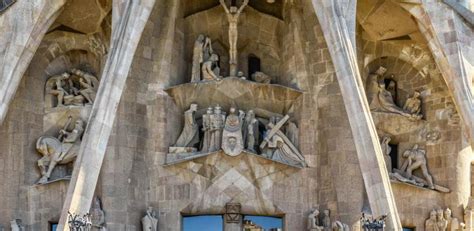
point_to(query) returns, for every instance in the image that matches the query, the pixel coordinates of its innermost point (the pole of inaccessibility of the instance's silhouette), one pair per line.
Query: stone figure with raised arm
(201, 53)
(149, 221)
(313, 221)
(233, 14)
(61, 150)
(87, 89)
(59, 92)
(416, 159)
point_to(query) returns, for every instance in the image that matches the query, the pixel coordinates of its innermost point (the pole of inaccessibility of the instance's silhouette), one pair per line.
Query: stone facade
(142, 55)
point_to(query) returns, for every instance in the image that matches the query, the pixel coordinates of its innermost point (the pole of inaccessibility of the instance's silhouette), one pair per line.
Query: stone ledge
(236, 92)
(396, 124)
(176, 158)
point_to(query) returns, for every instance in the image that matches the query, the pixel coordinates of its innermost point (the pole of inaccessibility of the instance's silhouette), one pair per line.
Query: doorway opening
(204, 222)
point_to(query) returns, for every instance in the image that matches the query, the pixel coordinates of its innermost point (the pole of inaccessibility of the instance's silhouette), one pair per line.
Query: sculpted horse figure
(61, 150)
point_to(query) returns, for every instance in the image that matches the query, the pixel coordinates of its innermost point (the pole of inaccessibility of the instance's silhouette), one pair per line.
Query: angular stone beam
(23, 26)
(335, 18)
(127, 29)
(449, 38)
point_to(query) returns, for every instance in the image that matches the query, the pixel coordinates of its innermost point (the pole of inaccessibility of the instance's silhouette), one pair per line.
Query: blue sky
(215, 223)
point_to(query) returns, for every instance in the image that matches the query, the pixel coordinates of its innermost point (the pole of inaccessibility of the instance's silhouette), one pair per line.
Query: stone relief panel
(59, 150)
(71, 88)
(442, 220)
(233, 132)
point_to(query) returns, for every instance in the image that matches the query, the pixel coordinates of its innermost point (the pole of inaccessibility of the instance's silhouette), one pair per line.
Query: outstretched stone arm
(242, 6)
(225, 7)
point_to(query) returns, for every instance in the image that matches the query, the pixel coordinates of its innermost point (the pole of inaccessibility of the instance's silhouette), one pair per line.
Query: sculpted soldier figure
(61, 150)
(453, 223)
(87, 90)
(206, 128)
(250, 134)
(149, 221)
(416, 159)
(97, 215)
(190, 134)
(59, 91)
(233, 18)
(217, 125)
(207, 68)
(326, 221)
(440, 221)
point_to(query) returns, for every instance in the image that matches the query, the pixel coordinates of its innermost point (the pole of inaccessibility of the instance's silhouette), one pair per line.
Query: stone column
(337, 20)
(24, 24)
(233, 217)
(129, 21)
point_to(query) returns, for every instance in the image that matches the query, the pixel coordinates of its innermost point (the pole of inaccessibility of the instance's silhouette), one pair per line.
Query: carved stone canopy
(235, 92)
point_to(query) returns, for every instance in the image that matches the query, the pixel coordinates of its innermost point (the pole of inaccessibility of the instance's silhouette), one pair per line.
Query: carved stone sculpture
(201, 53)
(326, 220)
(150, 221)
(453, 223)
(413, 104)
(190, 134)
(431, 223)
(206, 128)
(415, 158)
(232, 140)
(208, 72)
(339, 226)
(383, 102)
(441, 223)
(313, 221)
(278, 147)
(16, 225)
(217, 126)
(233, 14)
(261, 77)
(60, 150)
(372, 85)
(386, 149)
(86, 83)
(97, 215)
(250, 134)
(72, 88)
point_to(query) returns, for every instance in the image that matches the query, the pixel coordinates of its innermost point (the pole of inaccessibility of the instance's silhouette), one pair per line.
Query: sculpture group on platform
(62, 149)
(322, 222)
(72, 88)
(382, 98)
(16, 225)
(275, 137)
(440, 220)
(150, 221)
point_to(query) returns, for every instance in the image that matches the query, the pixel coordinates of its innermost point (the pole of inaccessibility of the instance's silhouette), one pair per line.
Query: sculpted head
(439, 214)
(433, 214)
(232, 110)
(381, 70)
(214, 58)
(416, 94)
(200, 37)
(193, 107)
(233, 9)
(79, 124)
(326, 212)
(65, 75)
(209, 110)
(447, 213)
(217, 110)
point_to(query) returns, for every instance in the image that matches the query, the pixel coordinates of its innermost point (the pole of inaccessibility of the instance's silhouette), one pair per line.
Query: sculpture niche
(74, 88)
(239, 131)
(205, 62)
(381, 99)
(59, 150)
(415, 159)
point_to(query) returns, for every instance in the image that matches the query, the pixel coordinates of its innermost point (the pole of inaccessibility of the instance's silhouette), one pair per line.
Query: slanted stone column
(129, 21)
(337, 22)
(24, 25)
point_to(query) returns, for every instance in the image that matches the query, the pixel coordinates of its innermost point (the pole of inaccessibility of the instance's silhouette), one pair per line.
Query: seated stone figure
(61, 150)
(313, 221)
(413, 104)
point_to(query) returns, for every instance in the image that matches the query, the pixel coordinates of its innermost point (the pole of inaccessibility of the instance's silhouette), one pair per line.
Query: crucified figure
(233, 17)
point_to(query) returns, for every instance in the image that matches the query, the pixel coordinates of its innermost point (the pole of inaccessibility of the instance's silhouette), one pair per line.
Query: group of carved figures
(322, 222)
(440, 220)
(238, 131)
(415, 158)
(73, 88)
(382, 98)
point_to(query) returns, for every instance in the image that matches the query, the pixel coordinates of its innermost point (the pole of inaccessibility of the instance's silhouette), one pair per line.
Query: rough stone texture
(23, 27)
(294, 51)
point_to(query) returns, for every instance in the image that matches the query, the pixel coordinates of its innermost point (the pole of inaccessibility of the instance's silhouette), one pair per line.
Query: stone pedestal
(232, 217)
